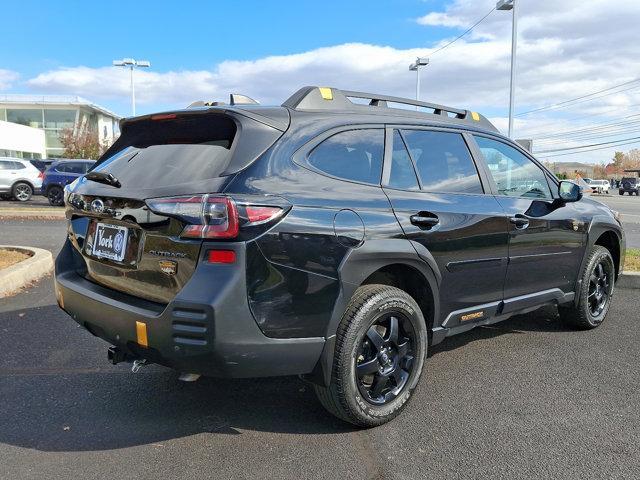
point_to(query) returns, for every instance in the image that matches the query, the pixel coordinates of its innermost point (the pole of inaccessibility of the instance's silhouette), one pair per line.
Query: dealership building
(30, 125)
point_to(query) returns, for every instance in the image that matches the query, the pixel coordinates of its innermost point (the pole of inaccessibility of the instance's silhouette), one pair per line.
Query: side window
(85, 167)
(4, 166)
(515, 174)
(353, 155)
(443, 161)
(75, 168)
(60, 168)
(18, 166)
(402, 175)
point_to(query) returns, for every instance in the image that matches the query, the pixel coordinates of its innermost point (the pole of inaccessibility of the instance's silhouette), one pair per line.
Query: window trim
(517, 147)
(301, 156)
(470, 147)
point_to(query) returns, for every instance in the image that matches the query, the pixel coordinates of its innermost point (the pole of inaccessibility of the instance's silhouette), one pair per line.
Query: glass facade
(19, 154)
(54, 119)
(28, 117)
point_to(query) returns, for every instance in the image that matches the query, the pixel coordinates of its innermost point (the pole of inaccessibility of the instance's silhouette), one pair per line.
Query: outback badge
(168, 266)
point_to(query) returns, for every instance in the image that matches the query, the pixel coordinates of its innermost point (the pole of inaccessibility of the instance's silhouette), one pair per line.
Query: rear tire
(378, 360)
(596, 290)
(22, 191)
(55, 195)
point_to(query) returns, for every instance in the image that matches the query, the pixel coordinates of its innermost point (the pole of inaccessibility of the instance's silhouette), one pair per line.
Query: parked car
(325, 238)
(600, 186)
(19, 179)
(62, 173)
(629, 185)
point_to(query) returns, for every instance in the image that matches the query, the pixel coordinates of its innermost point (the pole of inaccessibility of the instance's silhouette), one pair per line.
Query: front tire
(22, 191)
(596, 290)
(381, 344)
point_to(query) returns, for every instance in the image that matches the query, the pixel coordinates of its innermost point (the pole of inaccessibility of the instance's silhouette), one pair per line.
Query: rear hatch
(140, 216)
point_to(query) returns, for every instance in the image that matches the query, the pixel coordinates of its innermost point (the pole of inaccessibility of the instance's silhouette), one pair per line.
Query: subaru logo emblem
(97, 206)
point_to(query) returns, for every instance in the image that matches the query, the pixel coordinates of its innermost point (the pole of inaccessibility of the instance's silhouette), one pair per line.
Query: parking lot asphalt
(527, 398)
(629, 207)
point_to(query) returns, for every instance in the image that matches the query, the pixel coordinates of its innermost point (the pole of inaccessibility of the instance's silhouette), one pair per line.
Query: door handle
(424, 220)
(520, 221)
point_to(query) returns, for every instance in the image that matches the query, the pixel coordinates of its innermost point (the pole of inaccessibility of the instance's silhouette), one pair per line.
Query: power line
(560, 143)
(559, 104)
(463, 34)
(582, 117)
(585, 146)
(591, 149)
(594, 128)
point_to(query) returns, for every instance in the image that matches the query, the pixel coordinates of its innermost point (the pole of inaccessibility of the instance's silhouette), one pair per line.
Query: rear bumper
(208, 328)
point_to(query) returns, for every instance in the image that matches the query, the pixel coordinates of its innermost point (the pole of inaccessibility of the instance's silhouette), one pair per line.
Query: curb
(629, 280)
(17, 276)
(31, 214)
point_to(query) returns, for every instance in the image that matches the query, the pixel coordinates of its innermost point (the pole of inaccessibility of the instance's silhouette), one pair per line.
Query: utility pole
(420, 62)
(132, 63)
(511, 5)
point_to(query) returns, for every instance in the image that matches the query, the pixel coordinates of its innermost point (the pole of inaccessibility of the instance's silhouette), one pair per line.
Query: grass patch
(632, 260)
(11, 257)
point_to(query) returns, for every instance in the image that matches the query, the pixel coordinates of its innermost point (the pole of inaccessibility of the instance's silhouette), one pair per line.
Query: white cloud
(441, 19)
(565, 50)
(7, 77)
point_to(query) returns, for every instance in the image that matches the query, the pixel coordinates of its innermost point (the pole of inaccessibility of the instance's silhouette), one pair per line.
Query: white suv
(600, 186)
(19, 178)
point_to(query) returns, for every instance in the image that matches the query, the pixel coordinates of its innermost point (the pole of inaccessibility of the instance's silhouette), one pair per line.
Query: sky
(204, 50)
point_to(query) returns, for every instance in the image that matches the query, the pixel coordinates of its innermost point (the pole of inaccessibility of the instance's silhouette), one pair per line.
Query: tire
(621, 193)
(55, 195)
(598, 283)
(393, 362)
(22, 191)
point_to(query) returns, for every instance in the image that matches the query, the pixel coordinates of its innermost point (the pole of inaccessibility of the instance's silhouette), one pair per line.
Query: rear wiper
(103, 177)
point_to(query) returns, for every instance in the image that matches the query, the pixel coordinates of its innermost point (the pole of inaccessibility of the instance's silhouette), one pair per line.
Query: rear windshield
(170, 151)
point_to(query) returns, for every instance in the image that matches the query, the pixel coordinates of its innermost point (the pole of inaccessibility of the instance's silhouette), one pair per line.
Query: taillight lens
(213, 216)
(41, 175)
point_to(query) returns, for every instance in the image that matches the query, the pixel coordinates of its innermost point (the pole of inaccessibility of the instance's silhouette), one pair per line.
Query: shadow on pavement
(58, 393)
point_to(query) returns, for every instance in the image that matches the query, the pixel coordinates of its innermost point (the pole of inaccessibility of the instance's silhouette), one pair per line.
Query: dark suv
(335, 237)
(629, 185)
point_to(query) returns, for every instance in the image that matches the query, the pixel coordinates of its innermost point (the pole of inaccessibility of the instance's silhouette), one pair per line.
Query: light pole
(131, 63)
(415, 67)
(511, 5)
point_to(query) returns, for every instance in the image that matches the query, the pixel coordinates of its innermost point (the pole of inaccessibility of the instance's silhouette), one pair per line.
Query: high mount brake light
(212, 216)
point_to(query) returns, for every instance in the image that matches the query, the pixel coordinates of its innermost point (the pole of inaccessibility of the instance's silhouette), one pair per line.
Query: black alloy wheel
(385, 358)
(599, 288)
(380, 348)
(55, 196)
(596, 290)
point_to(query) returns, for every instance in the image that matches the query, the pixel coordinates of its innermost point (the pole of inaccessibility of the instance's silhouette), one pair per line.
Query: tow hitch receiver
(117, 355)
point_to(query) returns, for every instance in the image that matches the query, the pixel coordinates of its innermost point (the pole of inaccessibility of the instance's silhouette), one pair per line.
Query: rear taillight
(213, 216)
(41, 175)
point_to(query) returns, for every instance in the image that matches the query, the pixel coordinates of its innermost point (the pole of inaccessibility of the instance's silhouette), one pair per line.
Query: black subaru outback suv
(335, 237)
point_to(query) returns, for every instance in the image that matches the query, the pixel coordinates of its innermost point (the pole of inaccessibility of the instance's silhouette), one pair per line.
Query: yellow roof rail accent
(475, 116)
(326, 93)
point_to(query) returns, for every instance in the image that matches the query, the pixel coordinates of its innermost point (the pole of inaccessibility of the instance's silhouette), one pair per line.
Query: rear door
(439, 198)
(546, 237)
(5, 175)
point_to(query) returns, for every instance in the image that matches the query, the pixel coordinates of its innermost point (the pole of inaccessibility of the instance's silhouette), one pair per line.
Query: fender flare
(599, 224)
(355, 268)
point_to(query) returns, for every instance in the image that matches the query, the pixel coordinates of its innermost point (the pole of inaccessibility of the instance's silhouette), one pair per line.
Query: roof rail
(328, 98)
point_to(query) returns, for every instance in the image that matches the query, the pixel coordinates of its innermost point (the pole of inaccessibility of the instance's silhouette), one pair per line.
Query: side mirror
(569, 191)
